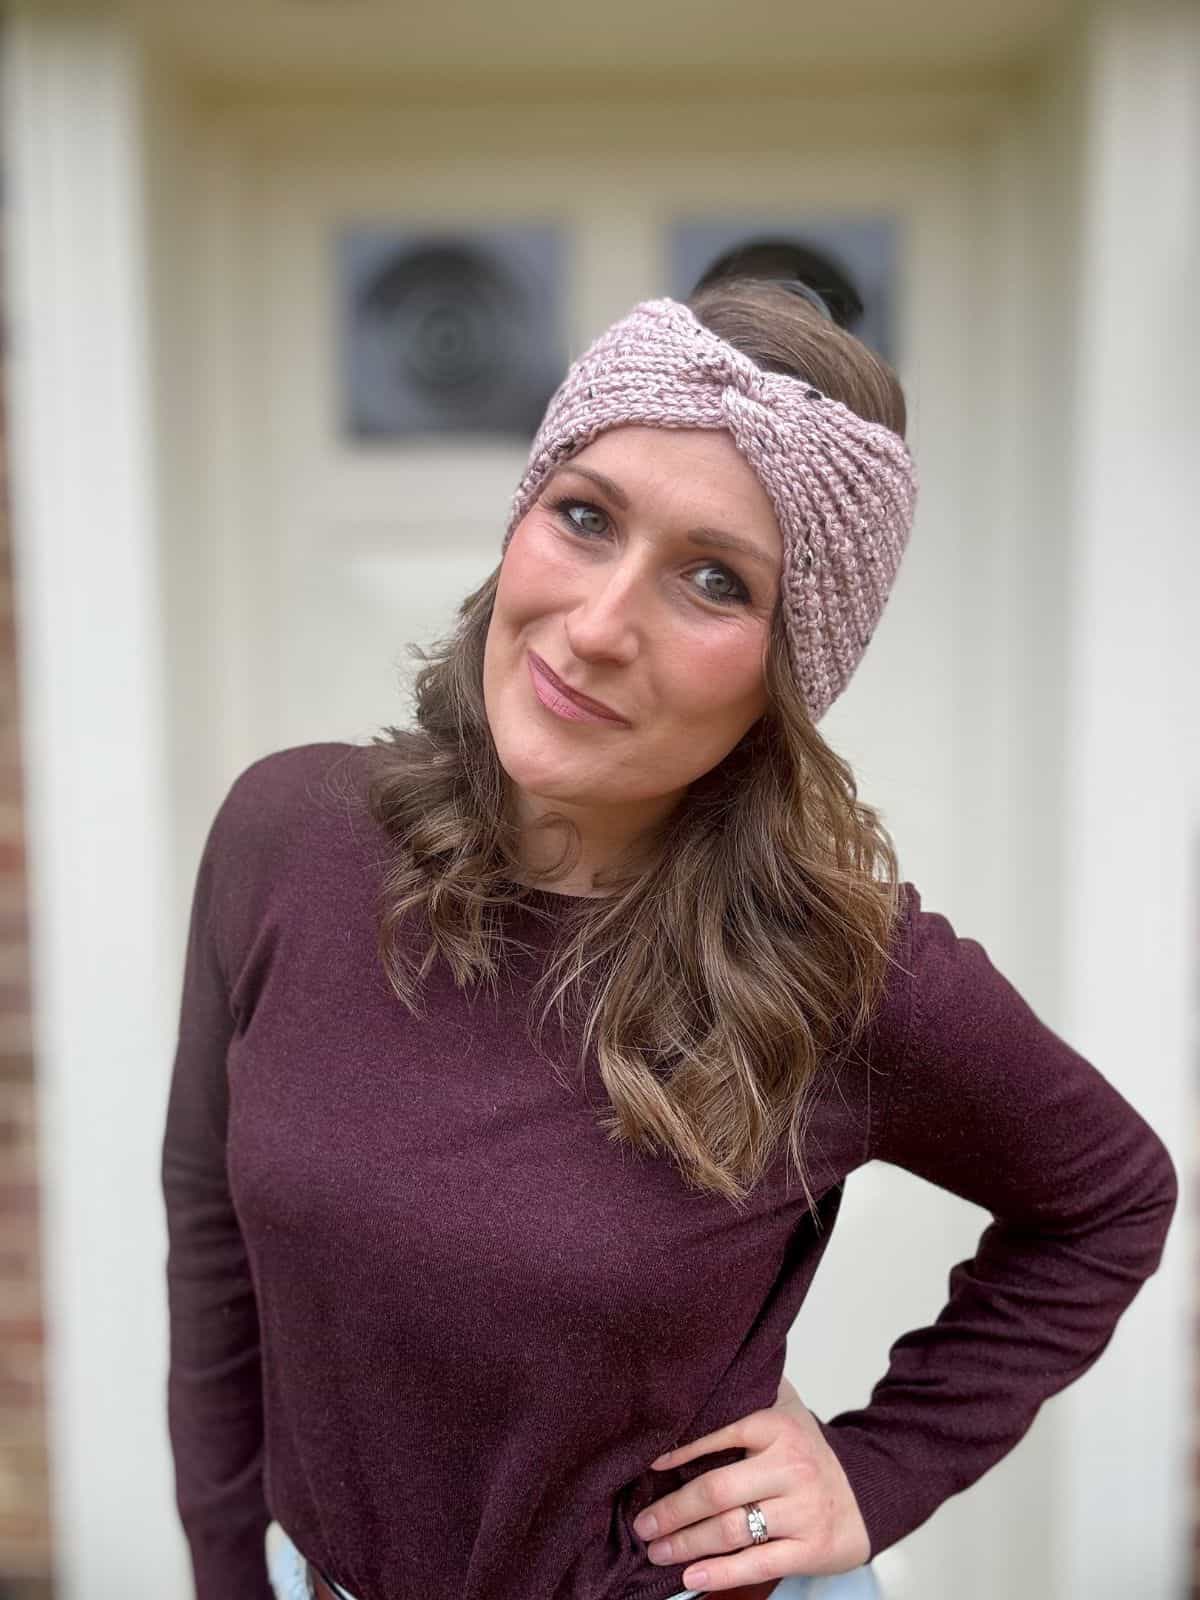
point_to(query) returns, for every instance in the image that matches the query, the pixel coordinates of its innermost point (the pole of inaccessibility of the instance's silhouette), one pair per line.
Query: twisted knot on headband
(843, 489)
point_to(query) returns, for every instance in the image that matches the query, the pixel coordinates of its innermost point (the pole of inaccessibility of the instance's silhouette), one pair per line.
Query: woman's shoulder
(889, 1017)
(289, 781)
(957, 1025)
(287, 838)
(290, 790)
(933, 972)
(286, 808)
(939, 967)
(933, 967)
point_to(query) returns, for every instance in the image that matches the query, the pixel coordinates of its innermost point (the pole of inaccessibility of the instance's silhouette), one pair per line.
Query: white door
(333, 554)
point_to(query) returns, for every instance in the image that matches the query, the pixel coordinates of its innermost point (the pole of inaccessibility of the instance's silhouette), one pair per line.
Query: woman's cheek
(730, 668)
(543, 559)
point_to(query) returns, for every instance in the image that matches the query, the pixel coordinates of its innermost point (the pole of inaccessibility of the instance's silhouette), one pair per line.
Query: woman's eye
(740, 595)
(565, 507)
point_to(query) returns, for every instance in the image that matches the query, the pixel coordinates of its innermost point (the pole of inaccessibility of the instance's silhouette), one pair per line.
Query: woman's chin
(546, 781)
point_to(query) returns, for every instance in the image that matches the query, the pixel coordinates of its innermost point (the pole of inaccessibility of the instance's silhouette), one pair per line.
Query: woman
(456, 1315)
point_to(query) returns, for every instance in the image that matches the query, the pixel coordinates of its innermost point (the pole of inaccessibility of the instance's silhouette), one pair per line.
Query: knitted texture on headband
(843, 489)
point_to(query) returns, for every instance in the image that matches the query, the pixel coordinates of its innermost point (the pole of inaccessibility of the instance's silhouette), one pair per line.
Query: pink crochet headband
(843, 489)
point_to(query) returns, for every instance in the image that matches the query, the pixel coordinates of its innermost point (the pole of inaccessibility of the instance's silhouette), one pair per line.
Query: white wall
(1087, 280)
(1130, 831)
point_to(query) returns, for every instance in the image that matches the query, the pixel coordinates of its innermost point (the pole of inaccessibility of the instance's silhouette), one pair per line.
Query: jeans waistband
(288, 1569)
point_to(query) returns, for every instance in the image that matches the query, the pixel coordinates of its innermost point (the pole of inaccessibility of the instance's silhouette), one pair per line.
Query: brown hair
(714, 984)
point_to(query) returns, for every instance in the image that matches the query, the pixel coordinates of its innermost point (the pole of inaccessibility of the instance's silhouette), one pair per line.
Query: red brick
(25, 1533)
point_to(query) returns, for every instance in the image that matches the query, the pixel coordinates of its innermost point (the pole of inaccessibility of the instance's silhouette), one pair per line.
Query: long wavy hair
(714, 983)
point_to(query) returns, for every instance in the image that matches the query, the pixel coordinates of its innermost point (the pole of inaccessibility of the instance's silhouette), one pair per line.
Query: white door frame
(105, 947)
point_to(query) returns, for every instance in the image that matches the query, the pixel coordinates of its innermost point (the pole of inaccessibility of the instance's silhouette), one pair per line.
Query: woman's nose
(607, 616)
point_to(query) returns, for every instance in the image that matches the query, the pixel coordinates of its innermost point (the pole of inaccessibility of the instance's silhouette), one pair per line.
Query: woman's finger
(751, 1432)
(760, 1564)
(727, 1531)
(720, 1496)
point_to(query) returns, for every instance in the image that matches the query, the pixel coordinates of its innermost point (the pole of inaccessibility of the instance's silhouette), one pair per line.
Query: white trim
(1131, 817)
(89, 613)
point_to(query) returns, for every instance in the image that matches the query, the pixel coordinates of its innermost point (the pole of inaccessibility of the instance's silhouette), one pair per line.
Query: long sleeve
(214, 1393)
(990, 1104)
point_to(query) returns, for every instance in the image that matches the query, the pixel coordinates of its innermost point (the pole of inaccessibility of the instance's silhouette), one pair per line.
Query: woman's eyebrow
(614, 492)
(716, 537)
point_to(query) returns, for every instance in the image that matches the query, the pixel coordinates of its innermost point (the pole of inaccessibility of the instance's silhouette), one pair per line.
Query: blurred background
(287, 284)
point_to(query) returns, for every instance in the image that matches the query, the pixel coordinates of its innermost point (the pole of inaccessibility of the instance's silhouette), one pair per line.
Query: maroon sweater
(426, 1314)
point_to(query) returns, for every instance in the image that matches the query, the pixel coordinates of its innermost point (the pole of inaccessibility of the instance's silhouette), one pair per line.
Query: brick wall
(24, 1485)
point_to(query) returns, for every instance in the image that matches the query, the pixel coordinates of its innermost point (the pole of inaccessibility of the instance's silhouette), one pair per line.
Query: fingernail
(646, 1525)
(696, 1579)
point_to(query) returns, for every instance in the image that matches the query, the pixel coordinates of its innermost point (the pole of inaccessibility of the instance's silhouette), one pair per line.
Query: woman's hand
(813, 1521)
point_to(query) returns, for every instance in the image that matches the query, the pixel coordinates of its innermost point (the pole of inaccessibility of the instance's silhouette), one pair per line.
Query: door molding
(105, 945)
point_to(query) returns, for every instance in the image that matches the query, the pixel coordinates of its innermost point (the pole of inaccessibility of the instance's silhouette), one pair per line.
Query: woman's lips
(560, 700)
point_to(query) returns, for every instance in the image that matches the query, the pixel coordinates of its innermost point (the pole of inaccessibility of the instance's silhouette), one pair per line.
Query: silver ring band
(758, 1523)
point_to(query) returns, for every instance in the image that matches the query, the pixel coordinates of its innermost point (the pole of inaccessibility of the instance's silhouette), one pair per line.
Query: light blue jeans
(286, 1567)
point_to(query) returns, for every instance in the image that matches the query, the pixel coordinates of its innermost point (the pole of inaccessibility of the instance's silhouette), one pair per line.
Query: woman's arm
(992, 1105)
(214, 1394)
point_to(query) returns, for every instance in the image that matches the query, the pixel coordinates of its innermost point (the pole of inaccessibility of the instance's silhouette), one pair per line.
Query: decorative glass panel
(449, 332)
(851, 260)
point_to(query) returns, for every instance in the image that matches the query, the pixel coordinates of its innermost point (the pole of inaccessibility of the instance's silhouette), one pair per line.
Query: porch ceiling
(231, 39)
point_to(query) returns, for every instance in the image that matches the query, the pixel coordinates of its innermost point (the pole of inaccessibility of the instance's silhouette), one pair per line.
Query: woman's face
(623, 589)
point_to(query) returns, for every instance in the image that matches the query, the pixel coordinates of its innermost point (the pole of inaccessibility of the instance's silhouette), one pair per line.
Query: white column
(1131, 835)
(89, 615)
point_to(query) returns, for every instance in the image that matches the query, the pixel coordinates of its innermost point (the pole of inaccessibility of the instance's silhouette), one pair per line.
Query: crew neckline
(557, 896)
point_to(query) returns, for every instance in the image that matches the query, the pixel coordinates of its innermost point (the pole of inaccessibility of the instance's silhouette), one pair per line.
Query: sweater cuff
(889, 1498)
